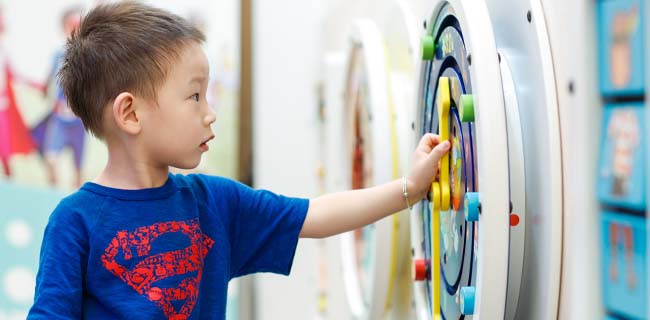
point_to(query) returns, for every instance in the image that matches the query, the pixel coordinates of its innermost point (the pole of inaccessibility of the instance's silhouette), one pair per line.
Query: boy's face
(177, 128)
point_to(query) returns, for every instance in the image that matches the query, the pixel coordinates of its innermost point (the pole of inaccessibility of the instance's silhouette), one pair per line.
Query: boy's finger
(440, 150)
(429, 141)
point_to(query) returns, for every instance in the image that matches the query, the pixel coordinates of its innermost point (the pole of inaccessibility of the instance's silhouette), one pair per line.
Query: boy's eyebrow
(198, 79)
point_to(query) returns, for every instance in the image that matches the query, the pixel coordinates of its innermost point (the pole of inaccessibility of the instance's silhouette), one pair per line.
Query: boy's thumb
(440, 150)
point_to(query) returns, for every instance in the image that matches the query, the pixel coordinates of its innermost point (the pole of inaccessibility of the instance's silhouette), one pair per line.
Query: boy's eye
(195, 97)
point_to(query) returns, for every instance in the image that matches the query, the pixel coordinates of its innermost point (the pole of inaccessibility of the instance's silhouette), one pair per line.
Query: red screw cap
(419, 269)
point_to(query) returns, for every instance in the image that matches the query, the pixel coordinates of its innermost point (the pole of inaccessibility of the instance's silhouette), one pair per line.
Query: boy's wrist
(412, 194)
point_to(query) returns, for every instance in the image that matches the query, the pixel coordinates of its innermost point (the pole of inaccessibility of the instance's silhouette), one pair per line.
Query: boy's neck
(130, 171)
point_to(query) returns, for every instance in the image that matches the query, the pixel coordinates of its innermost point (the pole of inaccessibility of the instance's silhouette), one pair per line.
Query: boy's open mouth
(204, 144)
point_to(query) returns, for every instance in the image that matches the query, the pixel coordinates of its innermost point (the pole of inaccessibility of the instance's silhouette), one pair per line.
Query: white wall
(580, 114)
(286, 48)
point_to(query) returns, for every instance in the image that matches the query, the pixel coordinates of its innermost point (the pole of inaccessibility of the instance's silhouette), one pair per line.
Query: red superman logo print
(153, 268)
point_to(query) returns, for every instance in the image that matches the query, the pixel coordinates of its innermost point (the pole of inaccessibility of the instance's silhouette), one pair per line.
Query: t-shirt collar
(164, 191)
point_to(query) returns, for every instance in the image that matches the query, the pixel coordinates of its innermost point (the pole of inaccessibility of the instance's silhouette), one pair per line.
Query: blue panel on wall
(624, 264)
(24, 212)
(621, 47)
(621, 176)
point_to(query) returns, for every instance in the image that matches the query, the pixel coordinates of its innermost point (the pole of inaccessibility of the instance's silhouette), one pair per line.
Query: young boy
(140, 243)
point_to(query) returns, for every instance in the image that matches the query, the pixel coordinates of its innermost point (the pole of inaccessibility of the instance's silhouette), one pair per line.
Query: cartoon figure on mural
(624, 25)
(61, 128)
(615, 231)
(629, 256)
(457, 175)
(14, 135)
(224, 75)
(449, 226)
(613, 240)
(623, 130)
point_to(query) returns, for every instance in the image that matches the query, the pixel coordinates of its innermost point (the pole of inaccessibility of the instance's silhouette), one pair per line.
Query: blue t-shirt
(161, 253)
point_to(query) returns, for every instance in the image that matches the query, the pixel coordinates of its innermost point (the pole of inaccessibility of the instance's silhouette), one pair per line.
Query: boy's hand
(334, 213)
(424, 166)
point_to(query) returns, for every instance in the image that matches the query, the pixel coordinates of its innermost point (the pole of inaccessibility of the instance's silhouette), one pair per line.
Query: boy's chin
(187, 165)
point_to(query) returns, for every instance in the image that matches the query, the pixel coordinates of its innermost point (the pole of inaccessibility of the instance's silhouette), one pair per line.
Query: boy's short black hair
(118, 47)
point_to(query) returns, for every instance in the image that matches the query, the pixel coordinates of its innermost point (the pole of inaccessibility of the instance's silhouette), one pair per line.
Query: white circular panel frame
(518, 267)
(491, 155)
(368, 105)
(401, 34)
(524, 44)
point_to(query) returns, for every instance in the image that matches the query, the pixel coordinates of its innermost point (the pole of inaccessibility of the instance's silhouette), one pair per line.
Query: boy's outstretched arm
(339, 212)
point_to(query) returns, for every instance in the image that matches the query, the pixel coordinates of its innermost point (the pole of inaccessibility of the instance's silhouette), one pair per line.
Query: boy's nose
(210, 117)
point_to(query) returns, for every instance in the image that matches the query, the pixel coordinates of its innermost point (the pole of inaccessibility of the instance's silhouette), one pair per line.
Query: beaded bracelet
(405, 193)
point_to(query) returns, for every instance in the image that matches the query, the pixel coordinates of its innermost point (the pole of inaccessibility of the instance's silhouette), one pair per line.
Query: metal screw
(412, 125)
(424, 24)
(571, 87)
(469, 59)
(529, 16)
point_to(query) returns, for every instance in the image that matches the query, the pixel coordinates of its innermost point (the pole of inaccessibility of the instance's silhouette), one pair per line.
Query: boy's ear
(125, 115)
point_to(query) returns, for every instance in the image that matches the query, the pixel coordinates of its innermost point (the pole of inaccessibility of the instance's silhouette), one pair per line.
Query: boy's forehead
(193, 60)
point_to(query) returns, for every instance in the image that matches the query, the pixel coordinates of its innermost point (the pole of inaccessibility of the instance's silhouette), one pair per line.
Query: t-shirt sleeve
(59, 281)
(265, 231)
